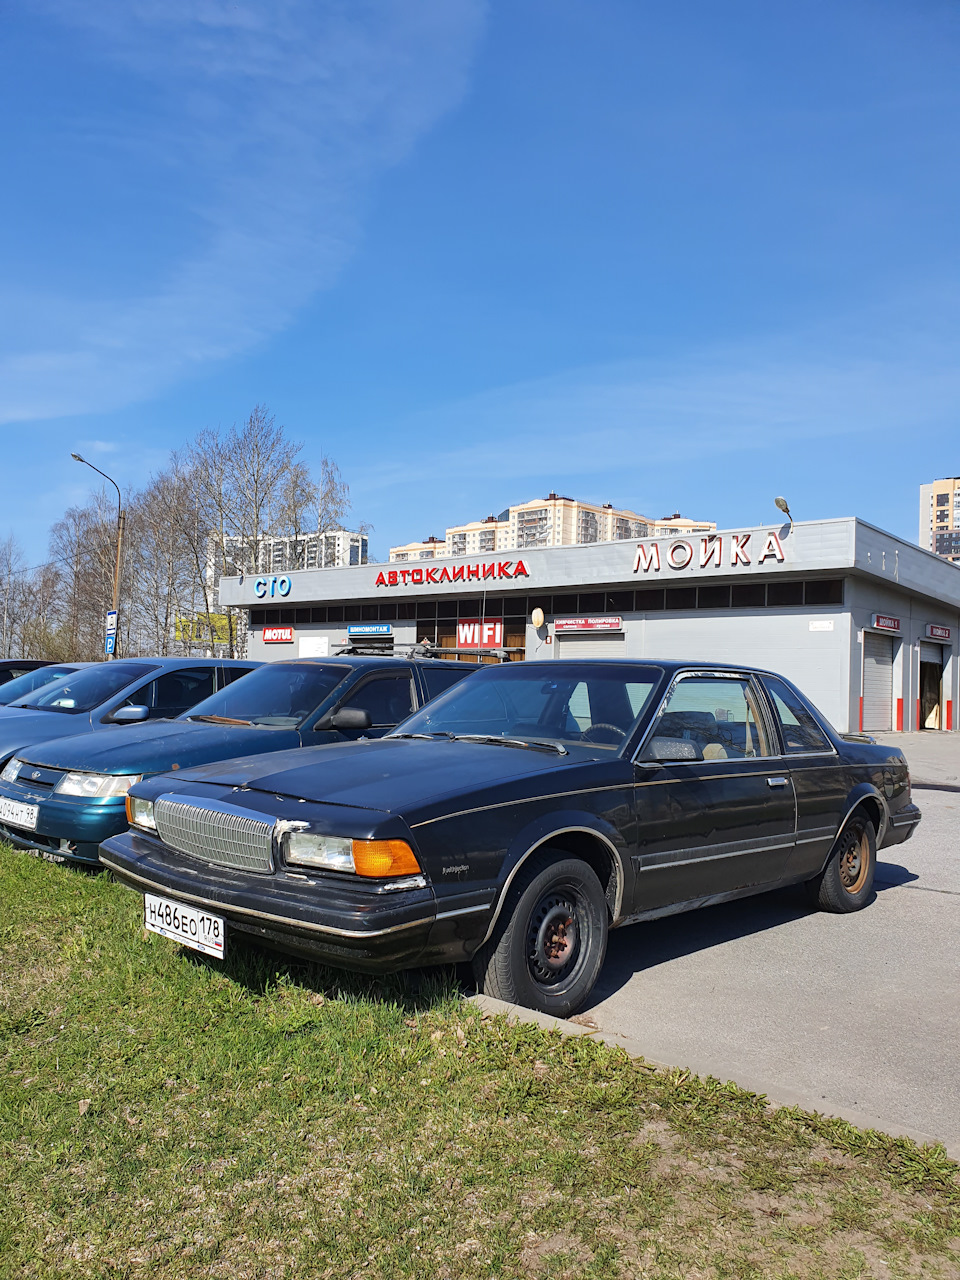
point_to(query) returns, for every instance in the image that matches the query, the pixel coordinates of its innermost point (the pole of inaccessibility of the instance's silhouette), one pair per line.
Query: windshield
(560, 702)
(276, 695)
(87, 689)
(25, 684)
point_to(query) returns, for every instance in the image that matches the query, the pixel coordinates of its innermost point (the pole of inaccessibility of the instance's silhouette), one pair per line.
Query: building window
(784, 593)
(823, 591)
(942, 499)
(681, 597)
(749, 595)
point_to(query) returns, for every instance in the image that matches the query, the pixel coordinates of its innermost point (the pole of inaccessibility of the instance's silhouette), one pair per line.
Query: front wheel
(551, 939)
(846, 883)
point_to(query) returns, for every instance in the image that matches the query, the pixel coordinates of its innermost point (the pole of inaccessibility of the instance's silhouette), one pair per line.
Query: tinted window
(439, 679)
(566, 702)
(229, 674)
(716, 716)
(388, 699)
(799, 729)
(174, 692)
(278, 694)
(25, 684)
(87, 689)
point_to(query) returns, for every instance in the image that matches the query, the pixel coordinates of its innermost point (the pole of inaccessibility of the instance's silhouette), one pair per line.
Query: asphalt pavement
(856, 1016)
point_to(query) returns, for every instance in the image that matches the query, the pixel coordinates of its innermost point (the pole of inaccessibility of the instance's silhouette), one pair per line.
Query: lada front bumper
(69, 828)
(321, 917)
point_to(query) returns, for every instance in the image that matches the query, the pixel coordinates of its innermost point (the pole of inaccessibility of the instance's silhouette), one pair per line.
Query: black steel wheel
(846, 883)
(551, 938)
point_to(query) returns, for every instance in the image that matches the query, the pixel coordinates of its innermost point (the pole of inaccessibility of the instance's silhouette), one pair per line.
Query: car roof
(669, 665)
(377, 660)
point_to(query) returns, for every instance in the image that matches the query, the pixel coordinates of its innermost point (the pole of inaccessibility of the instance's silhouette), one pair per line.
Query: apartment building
(553, 521)
(322, 549)
(940, 518)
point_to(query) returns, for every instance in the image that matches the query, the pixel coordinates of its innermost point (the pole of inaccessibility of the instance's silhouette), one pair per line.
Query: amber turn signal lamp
(126, 805)
(384, 858)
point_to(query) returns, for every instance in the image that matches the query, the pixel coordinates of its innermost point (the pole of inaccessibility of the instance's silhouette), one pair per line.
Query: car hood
(390, 774)
(157, 747)
(23, 728)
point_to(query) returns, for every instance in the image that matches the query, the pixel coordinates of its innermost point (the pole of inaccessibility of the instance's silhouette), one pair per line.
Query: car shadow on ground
(642, 946)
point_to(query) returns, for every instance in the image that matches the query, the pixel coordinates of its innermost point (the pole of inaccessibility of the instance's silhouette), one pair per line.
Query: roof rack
(421, 651)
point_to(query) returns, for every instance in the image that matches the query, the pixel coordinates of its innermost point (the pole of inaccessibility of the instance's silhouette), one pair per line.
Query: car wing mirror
(345, 718)
(130, 715)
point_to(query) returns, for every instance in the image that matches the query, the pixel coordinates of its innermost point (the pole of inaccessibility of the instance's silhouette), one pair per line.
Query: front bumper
(68, 827)
(353, 926)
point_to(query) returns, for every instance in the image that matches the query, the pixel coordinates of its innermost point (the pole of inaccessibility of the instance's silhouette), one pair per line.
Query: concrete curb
(776, 1094)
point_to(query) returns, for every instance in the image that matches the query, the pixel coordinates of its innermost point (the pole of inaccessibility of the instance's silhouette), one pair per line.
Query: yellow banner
(204, 629)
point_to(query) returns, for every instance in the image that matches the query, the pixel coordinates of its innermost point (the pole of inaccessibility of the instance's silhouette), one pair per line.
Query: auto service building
(863, 621)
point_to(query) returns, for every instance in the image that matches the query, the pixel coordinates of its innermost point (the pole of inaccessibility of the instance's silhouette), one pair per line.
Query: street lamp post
(120, 522)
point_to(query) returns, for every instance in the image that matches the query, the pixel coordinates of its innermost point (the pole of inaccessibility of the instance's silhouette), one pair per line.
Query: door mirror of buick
(130, 715)
(345, 718)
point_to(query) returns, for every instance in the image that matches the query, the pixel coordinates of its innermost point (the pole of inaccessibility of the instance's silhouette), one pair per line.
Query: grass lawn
(163, 1116)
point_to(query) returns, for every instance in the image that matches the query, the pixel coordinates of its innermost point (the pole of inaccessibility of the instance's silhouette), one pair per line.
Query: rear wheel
(551, 939)
(846, 883)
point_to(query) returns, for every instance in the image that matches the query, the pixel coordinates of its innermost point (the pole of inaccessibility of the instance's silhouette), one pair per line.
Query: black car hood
(393, 775)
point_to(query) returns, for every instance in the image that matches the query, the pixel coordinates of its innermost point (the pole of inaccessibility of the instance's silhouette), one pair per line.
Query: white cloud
(281, 114)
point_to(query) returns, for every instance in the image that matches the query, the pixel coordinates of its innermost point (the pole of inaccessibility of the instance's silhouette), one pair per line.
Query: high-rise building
(940, 517)
(553, 521)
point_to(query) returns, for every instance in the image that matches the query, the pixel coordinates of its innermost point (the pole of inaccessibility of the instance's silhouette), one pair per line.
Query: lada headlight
(375, 858)
(140, 813)
(96, 784)
(11, 769)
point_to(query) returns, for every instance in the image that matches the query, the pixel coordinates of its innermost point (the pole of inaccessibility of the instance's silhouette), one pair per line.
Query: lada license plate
(18, 814)
(194, 928)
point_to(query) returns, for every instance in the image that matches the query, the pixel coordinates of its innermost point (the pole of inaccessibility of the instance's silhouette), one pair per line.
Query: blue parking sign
(110, 643)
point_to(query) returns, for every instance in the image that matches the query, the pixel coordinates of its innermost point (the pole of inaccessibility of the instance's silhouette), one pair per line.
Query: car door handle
(777, 782)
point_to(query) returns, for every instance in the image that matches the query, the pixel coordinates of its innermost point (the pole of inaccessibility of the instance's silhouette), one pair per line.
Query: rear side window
(714, 716)
(229, 674)
(799, 729)
(439, 679)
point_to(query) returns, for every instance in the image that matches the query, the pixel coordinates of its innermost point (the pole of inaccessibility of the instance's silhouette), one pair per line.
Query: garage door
(931, 653)
(877, 682)
(587, 646)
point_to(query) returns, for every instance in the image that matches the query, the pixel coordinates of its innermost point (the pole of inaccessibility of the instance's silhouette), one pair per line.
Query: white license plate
(188, 925)
(18, 814)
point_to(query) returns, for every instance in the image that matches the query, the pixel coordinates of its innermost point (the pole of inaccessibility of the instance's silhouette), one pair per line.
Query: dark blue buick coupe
(515, 820)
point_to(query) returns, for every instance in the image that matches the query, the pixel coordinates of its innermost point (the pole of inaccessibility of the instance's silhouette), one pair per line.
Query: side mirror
(350, 718)
(130, 715)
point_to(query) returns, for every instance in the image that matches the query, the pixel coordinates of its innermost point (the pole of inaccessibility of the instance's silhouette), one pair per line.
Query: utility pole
(111, 641)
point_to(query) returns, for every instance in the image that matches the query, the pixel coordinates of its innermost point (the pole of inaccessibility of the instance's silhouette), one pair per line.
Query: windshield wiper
(219, 720)
(441, 733)
(535, 743)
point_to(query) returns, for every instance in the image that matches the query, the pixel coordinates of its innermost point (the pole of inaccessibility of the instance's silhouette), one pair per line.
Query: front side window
(387, 700)
(798, 727)
(31, 680)
(714, 717)
(174, 692)
(88, 688)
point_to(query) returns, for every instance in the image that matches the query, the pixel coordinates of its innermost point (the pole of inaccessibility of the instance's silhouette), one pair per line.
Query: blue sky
(669, 255)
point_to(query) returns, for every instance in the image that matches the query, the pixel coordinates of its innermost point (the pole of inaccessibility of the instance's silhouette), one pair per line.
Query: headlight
(140, 813)
(96, 784)
(11, 769)
(360, 857)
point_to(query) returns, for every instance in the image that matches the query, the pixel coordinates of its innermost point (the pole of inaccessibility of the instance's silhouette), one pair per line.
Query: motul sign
(718, 551)
(278, 635)
(455, 573)
(477, 633)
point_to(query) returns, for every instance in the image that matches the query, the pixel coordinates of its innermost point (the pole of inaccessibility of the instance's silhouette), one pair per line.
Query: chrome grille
(223, 835)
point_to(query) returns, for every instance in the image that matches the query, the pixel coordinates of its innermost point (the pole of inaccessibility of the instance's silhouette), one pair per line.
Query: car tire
(550, 941)
(846, 882)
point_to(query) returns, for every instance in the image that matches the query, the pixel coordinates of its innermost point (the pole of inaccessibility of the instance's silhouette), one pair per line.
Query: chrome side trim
(505, 804)
(360, 934)
(462, 911)
(706, 853)
(590, 831)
